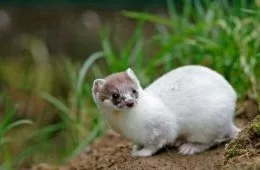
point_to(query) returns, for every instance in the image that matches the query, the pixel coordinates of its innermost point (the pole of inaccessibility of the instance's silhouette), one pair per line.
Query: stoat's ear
(132, 75)
(98, 85)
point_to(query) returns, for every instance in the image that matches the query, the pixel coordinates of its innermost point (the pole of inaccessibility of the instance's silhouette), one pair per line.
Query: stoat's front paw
(142, 153)
(136, 148)
(191, 148)
(188, 149)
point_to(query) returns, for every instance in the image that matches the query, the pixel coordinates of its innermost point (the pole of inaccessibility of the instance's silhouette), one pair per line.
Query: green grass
(215, 34)
(219, 36)
(75, 117)
(6, 125)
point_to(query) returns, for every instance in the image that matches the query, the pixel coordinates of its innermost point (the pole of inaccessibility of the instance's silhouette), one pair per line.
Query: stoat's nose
(130, 104)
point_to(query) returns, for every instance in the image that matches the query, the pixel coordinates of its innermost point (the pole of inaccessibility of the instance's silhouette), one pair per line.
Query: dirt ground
(113, 152)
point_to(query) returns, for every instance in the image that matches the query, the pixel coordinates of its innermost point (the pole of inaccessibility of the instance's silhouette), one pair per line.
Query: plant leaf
(19, 123)
(84, 69)
(64, 110)
(148, 17)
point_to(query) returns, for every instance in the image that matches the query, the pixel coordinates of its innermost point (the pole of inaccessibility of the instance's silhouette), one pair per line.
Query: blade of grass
(86, 141)
(70, 72)
(199, 9)
(136, 57)
(24, 155)
(18, 123)
(126, 51)
(85, 68)
(106, 46)
(64, 110)
(46, 131)
(187, 10)
(10, 113)
(82, 73)
(4, 141)
(148, 17)
(171, 9)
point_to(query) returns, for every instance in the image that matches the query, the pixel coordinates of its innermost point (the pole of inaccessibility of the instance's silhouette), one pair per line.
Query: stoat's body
(191, 106)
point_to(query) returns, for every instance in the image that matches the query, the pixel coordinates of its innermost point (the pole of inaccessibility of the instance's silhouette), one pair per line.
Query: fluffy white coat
(192, 107)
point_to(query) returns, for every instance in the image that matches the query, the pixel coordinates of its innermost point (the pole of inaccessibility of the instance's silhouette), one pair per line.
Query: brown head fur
(119, 89)
(115, 83)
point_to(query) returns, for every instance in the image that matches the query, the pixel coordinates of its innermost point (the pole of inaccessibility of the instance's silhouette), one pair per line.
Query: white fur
(149, 123)
(132, 75)
(192, 102)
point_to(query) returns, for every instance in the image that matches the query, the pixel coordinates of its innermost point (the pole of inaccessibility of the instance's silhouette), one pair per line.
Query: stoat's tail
(234, 132)
(232, 135)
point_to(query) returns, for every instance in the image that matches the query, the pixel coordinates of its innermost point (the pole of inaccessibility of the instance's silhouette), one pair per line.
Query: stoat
(191, 107)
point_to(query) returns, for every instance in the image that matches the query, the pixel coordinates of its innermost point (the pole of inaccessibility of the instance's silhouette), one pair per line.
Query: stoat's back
(189, 85)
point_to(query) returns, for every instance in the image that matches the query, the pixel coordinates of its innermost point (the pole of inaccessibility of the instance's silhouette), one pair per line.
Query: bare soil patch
(113, 152)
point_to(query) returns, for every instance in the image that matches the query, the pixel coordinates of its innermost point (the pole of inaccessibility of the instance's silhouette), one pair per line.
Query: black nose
(130, 104)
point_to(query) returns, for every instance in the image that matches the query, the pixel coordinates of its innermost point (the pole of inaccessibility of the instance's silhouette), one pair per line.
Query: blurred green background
(50, 55)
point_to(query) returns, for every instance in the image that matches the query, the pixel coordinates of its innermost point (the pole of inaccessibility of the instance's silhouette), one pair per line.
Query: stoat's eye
(134, 91)
(115, 95)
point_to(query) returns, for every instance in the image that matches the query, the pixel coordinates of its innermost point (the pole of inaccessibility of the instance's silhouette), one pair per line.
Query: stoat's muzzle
(125, 101)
